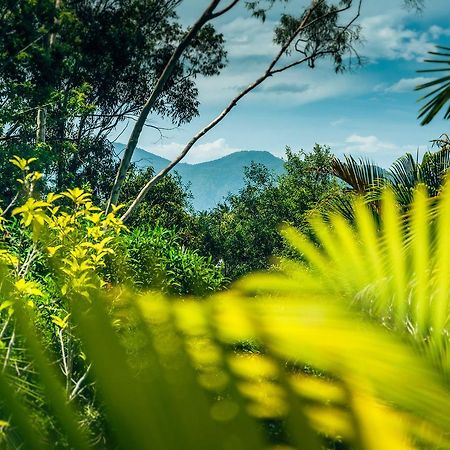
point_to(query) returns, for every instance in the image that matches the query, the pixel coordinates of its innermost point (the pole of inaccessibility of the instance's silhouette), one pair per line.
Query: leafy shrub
(154, 258)
(51, 248)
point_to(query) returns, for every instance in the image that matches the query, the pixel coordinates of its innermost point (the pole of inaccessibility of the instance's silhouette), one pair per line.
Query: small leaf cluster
(72, 234)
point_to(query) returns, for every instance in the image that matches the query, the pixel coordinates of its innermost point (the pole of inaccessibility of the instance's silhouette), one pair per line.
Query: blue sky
(370, 112)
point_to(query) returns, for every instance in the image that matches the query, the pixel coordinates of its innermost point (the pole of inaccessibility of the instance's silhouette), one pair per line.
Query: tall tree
(97, 73)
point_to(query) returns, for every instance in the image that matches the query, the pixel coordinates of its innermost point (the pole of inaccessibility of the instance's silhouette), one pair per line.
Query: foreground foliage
(348, 349)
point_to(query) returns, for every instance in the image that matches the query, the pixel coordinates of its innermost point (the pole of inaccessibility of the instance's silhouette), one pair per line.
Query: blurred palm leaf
(348, 348)
(439, 95)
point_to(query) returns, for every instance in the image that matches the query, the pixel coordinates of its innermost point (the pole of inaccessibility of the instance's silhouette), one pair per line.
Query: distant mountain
(144, 159)
(211, 181)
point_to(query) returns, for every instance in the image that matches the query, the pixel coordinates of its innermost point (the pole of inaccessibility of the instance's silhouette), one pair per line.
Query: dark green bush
(154, 258)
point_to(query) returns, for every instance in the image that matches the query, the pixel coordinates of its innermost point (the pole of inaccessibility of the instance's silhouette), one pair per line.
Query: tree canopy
(89, 65)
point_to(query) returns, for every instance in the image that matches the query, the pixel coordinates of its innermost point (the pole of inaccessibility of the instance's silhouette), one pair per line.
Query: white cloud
(308, 86)
(250, 46)
(386, 37)
(248, 37)
(406, 84)
(169, 151)
(437, 32)
(338, 122)
(199, 153)
(383, 151)
(210, 150)
(366, 144)
(292, 88)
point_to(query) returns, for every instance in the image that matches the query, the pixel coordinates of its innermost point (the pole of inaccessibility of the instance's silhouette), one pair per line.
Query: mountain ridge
(210, 181)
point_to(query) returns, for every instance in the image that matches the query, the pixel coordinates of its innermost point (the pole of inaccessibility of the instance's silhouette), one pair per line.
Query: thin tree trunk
(207, 15)
(41, 123)
(41, 118)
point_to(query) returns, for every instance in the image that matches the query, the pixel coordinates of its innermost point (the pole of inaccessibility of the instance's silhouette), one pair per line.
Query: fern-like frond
(360, 174)
(399, 275)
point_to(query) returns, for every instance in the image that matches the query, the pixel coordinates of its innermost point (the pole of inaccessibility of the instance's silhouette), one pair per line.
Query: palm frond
(406, 173)
(440, 94)
(395, 276)
(434, 169)
(359, 174)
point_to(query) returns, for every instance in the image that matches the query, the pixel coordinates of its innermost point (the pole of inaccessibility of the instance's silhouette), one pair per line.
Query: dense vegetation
(319, 351)
(309, 310)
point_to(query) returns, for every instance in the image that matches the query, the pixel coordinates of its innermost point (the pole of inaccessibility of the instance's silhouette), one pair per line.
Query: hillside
(211, 181)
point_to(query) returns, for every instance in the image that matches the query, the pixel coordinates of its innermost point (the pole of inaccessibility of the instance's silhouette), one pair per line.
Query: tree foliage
(88, 66)
(243, 232)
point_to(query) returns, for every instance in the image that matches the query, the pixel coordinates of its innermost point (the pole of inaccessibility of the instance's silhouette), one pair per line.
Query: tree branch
(11, 204)
(268, 73)
(224, 10)
(10, 132)
(41, 117)
(167, 72)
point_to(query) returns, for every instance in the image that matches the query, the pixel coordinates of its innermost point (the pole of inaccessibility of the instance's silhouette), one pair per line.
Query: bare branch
(223, 114)
(5, 326)
(11, 204)
(298, 62)
(78, 386)
(120, 134)
(30, 258)
(9, 349)
(10, 132)
(24, 49)
(224, 10)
